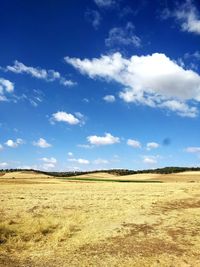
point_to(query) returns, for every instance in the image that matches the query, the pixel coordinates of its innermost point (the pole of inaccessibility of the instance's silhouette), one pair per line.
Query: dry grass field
(50, 222)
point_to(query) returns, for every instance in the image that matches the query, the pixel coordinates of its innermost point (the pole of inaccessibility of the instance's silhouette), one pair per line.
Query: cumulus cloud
(188, 17)
(79, 161)
(193, 149)
(6, 87)
(14, 144)
(42, 143)
(109, 98)
(123, 36)
(107, 139)
(153, 80)
(134, 143)
(62, 116)
(152, 145)
(93, 17)
(36, 72)
(149, 160)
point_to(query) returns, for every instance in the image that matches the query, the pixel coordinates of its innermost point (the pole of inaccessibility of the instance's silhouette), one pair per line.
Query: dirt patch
(181, 204)
(128, 246)
(133, 244)
(181, 232)
(136, 229)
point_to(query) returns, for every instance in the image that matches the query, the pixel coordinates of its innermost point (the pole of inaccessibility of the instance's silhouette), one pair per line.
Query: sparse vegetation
(58, 222)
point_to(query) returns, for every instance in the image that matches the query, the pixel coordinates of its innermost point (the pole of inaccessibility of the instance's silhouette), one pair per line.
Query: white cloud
(6, 87)
(86, 146)
(149, 160)
(123, 36)
(100, 161)
(134, 143)
(105, 3)
(148, 80)
(14, 144)
(81, 117)
(27, 167)
(47, 166)
(62, 116)
(86, 100)
(180, 108)
(3, 164)
(66, 82)
(49, 163)
(188, 16)
(109, 98)
(195, 55)
(48, 75)
(49, 160)
(152, 145)
(41, 143)
(93, 17)
(193, 149)
(70, 154)
(108, 139)
(79, 161)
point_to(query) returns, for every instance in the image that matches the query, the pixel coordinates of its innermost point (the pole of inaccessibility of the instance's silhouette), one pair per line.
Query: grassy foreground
(78, 223)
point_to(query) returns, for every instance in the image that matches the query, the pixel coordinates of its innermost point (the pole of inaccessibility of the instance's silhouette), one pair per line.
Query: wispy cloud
(152, 145)
(109, 98)
(93, 17)
(3, 165)
(150, 159)
(100, 161)
(70, 154)
(193, 149)
(189, 17)
(120, 36)
(39, 73)
(48, 163)
(186, 15)
(105, 3)
(79, 161)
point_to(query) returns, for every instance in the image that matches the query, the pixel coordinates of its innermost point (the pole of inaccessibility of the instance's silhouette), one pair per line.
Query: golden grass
(53, 223)
(24, 175)
(166, 178)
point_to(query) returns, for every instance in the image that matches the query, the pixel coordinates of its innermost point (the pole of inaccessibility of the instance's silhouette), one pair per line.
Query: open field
(55, 222)
(23, 175)
(175, 177)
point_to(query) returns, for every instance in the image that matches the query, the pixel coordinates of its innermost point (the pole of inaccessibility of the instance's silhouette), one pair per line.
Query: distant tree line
(166, 170)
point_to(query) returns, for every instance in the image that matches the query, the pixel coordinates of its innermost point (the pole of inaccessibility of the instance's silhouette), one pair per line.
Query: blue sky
(99, 84)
